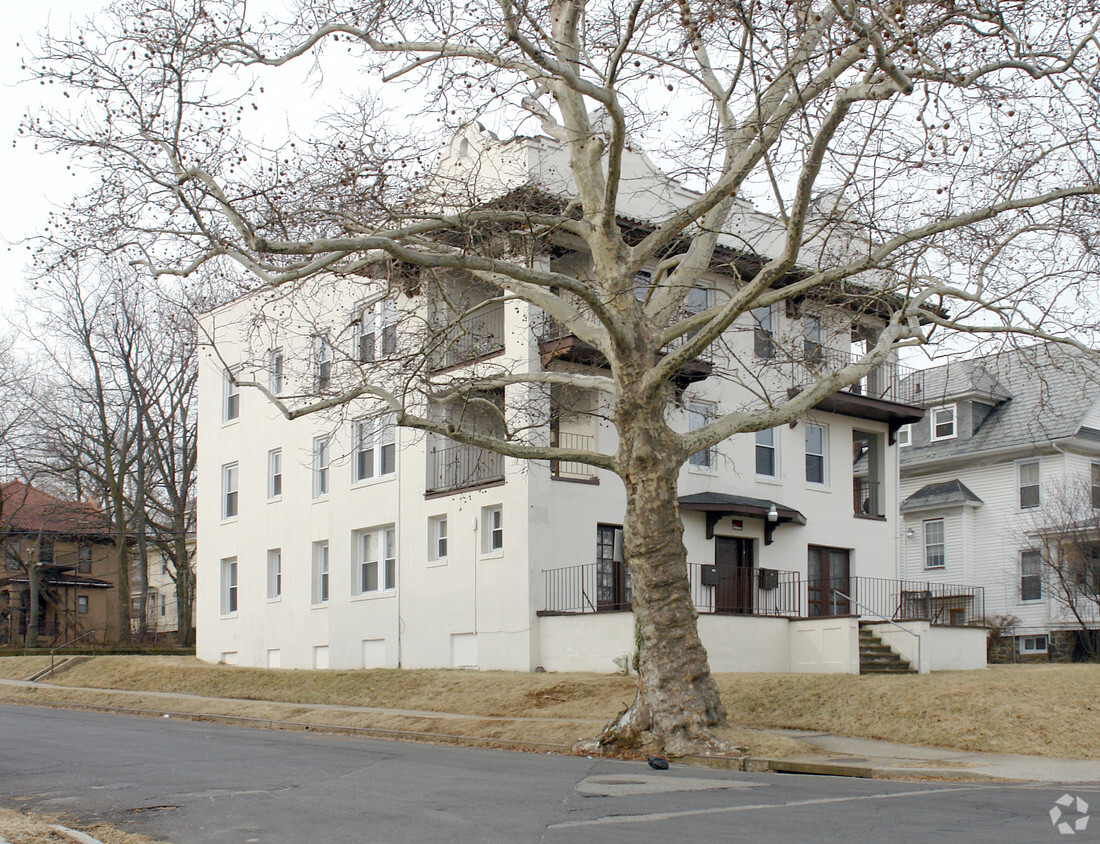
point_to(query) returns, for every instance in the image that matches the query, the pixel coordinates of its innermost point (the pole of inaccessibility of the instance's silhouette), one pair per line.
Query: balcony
(729, 590)
(889, 393)
(867, 498)
(570, 470)
(453, 466)
(474, 337)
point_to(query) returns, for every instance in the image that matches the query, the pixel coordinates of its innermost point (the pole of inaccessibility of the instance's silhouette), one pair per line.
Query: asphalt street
(189, 782)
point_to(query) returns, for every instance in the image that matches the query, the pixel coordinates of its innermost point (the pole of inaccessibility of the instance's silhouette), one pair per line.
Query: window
(375, 451)
(813, 340)
(275, 473)
(81, 604)
(437, 538)
(377, 332)
(934, 557)
(231, 405)
(765, 453)
(700, 414)
(492, 523)
(943, 423)
(275, 371)
(319, 578)
(1096, 485)
(84, 559)
(763, 324)
(320, 466)
(229, 585)
(322, 363)
(815, 454)
(695, 302)
(229, 491)
(1032, 644)
(1031, 575)
(274, 573)
(163, 605)
(1028, 478)
(376, 560)
(904, 436)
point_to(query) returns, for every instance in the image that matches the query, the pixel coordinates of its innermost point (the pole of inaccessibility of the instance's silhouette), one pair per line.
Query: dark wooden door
(828, 581)
(733, 559)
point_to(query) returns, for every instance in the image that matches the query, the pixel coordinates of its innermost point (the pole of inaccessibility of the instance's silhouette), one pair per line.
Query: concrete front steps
(876, 657)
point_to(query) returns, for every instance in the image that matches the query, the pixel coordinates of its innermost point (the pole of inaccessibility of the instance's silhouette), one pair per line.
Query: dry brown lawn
(27, 828)
(1044, 710)
(21, 667)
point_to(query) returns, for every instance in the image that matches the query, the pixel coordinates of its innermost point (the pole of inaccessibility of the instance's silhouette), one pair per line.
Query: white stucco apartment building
(338, 541)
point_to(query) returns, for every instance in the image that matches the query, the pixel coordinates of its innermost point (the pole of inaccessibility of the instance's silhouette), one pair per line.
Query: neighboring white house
(1007, 454)
(339, 541)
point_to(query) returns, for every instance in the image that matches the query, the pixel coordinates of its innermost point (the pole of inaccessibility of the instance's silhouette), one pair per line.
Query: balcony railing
(867, 497)
(571, 469)
(572, 590)
(889, 381)
(454, 466)
(475, 336)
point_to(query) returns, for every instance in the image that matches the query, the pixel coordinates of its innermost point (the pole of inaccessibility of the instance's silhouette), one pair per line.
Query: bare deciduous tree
(932, 163)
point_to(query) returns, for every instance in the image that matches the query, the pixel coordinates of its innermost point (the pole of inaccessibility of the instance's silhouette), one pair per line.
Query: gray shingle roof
(1041, 393)
(938, 495)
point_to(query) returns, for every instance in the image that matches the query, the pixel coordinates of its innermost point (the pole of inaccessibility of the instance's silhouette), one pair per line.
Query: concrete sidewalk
(852, 757)
(886, 760)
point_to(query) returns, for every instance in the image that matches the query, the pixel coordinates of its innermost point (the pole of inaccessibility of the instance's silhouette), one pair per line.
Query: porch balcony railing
(889, 381)
(898, 600)
(593, 587)
(454, 466)
(475, 336)
(571, 469)
(866, 497)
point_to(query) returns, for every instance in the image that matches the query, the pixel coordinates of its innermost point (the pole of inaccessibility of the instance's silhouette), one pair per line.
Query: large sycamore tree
(933, 162)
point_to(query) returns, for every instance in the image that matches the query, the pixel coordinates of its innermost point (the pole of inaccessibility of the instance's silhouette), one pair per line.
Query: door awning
(717, 505)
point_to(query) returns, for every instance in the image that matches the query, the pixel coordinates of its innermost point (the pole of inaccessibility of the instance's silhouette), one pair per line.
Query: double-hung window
(1031, 575)
(322, 363)
(275, 372)
(319, 579)
(84, 559)
(378, 332)
(815, 454)
(699, 414)
(766, 464)
(374, 448)
(231, 404)
(230, 482)
(904, 436)
(813, 340)
(1028, 481)
(934, 556)
(275, 473)
(763, 333)
(321, 458)
(81, 604)
(376, 560)
(492, 520)
(229, 585)
(1096, 485)
(943, 423)
(437, 538)
(274, 573)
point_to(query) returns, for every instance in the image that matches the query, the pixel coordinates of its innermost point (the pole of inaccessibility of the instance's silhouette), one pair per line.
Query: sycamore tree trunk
(678, 701)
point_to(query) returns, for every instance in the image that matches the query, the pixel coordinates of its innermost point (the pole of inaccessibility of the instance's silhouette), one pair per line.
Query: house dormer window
(944, 423)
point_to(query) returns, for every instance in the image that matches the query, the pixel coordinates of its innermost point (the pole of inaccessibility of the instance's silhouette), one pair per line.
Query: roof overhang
(894, 415)
(717, 505)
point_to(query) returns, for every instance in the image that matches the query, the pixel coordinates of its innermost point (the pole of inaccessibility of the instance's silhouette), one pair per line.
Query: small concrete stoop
(876, 657)
(63, 664)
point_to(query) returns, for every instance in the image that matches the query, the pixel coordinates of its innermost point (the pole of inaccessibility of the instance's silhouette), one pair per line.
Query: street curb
(768, 765)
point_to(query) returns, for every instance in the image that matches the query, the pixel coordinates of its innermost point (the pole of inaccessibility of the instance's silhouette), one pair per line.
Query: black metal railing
(889, 381)
(475, 336)
(744, 591)
(455, 466)
(723, 590)
(571, 469)
(867, 497)
(898, 600)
